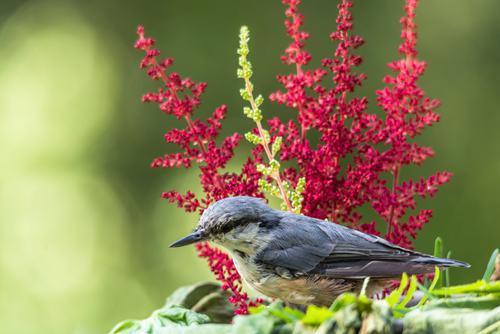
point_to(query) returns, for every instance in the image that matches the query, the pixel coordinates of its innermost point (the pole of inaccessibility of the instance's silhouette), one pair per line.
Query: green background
(83, 230)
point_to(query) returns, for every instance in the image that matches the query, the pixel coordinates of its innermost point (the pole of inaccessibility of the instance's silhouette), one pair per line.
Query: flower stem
(395, 181)
(198, 141)
(276, 176)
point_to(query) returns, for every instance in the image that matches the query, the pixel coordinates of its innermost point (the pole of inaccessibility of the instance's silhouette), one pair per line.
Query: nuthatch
(303, 260)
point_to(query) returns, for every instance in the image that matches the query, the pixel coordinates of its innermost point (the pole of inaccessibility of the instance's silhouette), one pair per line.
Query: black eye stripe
(228, 226)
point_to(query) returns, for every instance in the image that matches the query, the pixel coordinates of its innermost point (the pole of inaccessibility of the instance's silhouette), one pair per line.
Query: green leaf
(184, 313)
(411, 290)
(166, 317)
(180, 315)
(489, 301)
(257, 309)
(454, 315)
(253, 324)
(447, 271)
(493, 328)
(438, 247)
(287, 314)
(127, 326)
(395, 295)
(427, 292)
(294, 312)
(216, 306)
(479, 287)
(438, 252)
(316, 315)
(491, 266)
(342, 301)
(188, 296)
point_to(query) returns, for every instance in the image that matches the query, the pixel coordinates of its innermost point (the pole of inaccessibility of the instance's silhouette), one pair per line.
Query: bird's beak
(190, 239)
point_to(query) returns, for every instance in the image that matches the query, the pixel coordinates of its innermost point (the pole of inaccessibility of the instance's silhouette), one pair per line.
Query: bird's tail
(440, 262)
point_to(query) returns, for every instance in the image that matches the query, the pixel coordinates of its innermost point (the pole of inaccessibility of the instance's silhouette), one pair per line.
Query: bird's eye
(265, 225)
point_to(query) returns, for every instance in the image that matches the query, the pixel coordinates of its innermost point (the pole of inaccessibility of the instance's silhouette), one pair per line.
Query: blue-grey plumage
(300, 259)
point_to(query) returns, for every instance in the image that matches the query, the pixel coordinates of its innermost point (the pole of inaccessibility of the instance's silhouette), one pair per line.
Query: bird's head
(229, 221)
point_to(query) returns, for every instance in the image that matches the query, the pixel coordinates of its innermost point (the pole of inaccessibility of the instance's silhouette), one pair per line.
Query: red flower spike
(337, 189)
(179, 97)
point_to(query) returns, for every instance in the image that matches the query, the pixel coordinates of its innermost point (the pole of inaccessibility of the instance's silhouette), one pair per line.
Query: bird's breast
(303, 291)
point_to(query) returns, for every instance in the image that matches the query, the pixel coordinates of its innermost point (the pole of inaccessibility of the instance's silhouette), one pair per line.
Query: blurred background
(83, 230)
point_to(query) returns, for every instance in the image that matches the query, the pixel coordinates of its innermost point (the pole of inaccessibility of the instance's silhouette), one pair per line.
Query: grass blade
(491, 266)
(395, 295)
(365, 285)
(438, 252)
(428, 292)
(410, 292)
(447, 271)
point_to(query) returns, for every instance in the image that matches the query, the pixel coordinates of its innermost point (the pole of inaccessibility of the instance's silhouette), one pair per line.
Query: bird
(302, 260)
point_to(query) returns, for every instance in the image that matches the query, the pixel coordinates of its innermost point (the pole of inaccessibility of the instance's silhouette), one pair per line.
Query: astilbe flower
(346, 170)
(408, 112)
(180, 97)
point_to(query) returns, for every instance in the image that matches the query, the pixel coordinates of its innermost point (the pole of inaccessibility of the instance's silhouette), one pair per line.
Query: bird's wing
(306, 245)
(297, 247)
